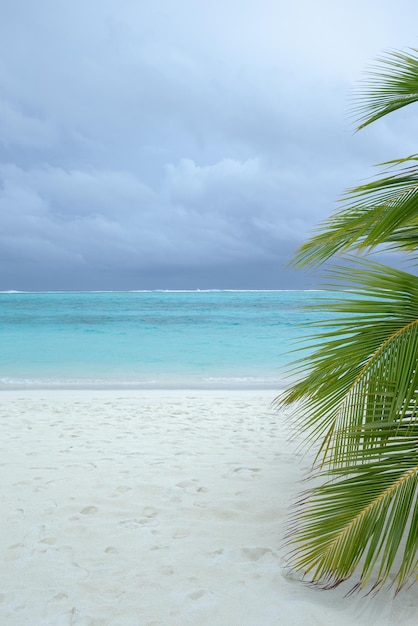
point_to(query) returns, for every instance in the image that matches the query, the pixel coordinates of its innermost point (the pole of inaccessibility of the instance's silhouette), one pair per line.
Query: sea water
(192, 339)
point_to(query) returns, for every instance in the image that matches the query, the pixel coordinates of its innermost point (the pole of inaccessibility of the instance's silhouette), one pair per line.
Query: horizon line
(215, 290)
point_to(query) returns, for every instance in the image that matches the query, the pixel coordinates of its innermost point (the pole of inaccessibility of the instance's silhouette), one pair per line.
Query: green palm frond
(356, 394)
(366, 520)
(391, 84)
(359, 398)
(376, 319)
(383, 211)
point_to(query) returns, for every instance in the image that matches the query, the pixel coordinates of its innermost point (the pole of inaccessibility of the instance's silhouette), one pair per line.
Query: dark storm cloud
(149, 146)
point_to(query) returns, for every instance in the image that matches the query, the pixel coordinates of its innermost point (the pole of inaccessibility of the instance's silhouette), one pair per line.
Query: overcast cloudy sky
(183, 143)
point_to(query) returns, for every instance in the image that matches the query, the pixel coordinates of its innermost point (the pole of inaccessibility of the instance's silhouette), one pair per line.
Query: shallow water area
(211, 339)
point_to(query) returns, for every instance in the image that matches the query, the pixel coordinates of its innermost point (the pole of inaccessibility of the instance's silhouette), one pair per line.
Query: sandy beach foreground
(157, 508)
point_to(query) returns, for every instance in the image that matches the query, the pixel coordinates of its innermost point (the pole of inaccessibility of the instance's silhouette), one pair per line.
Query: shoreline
(136, 387)
(157, 507)
(181, 385)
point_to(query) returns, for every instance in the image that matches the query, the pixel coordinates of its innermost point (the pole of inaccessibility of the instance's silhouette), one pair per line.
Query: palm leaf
(357, 391)
(391, 84)
(364, 520)
(383, 211)
(359, 397)
(352, 356)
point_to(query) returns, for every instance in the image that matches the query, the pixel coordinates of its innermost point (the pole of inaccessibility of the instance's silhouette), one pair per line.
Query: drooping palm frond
(359, 398)
(357, 392)
(364, 520)
(376, 320)
(391, 84)
(383, 211)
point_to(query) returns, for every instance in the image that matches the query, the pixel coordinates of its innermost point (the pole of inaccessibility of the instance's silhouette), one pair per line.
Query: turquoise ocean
(154, 339)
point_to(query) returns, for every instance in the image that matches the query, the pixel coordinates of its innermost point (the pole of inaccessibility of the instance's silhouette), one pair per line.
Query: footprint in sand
(150, 512)
(89, 510)
(190, 486)
(121, 490)
(181, 533)
(49, 541)
(60, 596)
(15, 552)
(216, 553)
(130, 523)
(255, 554)
(243, 472)
(196, 595)
(149, 519)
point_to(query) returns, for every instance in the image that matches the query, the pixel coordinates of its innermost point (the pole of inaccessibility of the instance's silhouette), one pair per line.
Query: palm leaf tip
(391, 84)
(359, 531)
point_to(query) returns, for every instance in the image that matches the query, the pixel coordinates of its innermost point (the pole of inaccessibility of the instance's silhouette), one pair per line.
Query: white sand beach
(133, 508)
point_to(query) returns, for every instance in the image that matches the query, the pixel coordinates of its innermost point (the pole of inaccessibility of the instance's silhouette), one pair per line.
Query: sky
(181, 144)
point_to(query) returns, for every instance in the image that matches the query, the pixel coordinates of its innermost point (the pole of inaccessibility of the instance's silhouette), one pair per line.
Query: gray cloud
(181, 145)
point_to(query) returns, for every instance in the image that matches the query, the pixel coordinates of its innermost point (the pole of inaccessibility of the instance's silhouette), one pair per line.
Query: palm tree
(357, 391)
